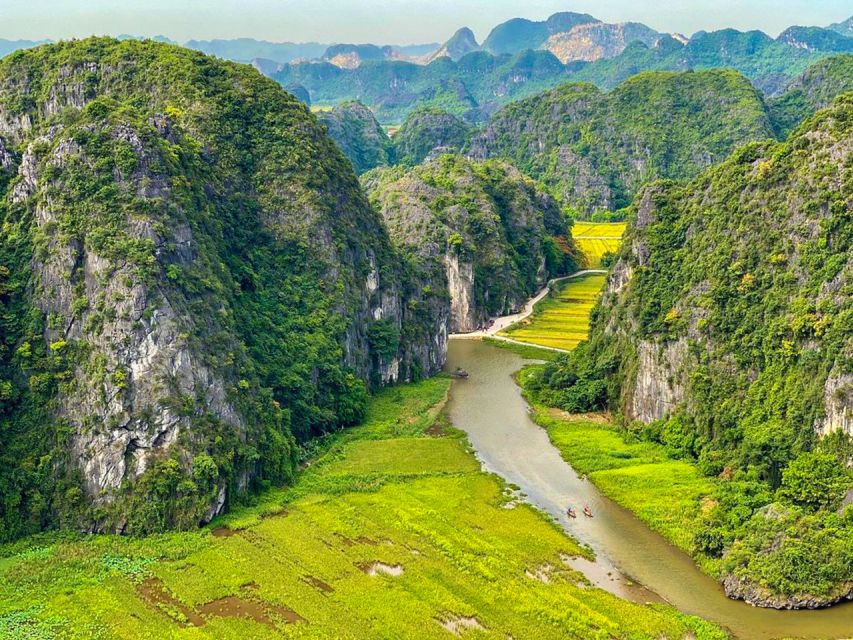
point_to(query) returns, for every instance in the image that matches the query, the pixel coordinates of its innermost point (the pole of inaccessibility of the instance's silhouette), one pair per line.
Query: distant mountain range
(470, 81)
(275, 53)
(517, 59)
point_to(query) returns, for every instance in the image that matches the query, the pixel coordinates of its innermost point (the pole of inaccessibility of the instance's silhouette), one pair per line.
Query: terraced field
(597, 238)
(392, 532)
(560, 320)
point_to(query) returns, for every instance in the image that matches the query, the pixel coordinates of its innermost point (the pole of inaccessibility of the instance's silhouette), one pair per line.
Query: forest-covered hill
(191, 283)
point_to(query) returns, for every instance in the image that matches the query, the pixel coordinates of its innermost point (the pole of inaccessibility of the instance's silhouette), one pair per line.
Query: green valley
(392, 530)
(543, 332)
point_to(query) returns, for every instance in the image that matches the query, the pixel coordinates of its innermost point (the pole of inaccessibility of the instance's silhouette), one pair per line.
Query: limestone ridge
(593, 150)
(481, 233)
(355, 130)
(191, 281)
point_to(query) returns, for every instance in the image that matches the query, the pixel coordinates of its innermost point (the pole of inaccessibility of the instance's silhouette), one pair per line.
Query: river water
(631, 560)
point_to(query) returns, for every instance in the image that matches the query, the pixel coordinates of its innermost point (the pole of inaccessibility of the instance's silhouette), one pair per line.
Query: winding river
(632, 561)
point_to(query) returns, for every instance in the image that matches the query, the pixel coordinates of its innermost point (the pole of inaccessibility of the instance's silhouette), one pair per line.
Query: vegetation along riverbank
(392, 530)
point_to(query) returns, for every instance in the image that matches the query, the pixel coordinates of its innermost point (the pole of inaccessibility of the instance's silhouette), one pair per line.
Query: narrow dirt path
(504, 321)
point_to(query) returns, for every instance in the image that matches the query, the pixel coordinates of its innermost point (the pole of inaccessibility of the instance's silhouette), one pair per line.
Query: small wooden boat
(587, 511)
(460, 373)
(571, 513)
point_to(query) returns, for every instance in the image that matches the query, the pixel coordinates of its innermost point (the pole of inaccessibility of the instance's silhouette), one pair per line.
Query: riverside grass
(402, 490)
(562, 318)
(594, 239)
(666, 494)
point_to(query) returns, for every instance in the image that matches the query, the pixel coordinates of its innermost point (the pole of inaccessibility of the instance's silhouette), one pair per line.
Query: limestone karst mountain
(724, 334)
(191, 281)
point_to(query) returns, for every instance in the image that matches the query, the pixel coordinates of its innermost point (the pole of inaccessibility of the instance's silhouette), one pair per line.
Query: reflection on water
(488, 406)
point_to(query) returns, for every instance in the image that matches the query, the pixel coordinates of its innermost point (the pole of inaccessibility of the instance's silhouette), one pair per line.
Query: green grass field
(392, 532)
(562, 319)
(664, 493)
(526, 351)
(595, 239)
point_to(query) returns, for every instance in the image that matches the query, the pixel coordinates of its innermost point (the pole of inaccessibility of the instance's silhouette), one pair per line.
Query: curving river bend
(489, 407)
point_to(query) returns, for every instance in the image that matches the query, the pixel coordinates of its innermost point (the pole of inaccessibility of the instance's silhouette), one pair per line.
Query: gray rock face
(838, 405)
(460, 286)
(122, 422)
(6, 159)
(658, 387)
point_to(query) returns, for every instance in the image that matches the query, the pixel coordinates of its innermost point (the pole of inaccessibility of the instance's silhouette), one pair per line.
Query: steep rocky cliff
(191, 282)
(594, 150)
(481, 231)
(725, 329)
(355, 130)
(597, 40)
(460, 43)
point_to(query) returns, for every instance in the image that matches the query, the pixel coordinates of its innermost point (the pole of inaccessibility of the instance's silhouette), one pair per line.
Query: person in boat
(571, 512)
(460, 373)
(587, 511)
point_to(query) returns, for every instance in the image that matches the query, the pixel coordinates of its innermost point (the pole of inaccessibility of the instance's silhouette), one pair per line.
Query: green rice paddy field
(392, 532)
(560, 320)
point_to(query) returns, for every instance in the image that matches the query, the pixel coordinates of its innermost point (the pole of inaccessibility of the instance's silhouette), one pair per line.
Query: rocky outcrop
(355, 130)
(477, 234)
(205, 283)
(428, 132)
(748, 591)
(658, 387)
(461, 43)
(597, 40)
(838, 405)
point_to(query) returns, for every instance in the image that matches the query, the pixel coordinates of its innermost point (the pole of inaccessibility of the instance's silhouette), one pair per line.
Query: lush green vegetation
(769, 64)
(354, 129)
(427, 129)
(814, 90)
(561, 319)
(598, 241)
(745, 267)
(392, 530)
(664, 492)
(594, 150)
(187, 248)
(483, 214)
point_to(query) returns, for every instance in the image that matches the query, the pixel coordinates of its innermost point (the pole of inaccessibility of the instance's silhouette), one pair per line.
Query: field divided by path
(597, 238)
(562, 319)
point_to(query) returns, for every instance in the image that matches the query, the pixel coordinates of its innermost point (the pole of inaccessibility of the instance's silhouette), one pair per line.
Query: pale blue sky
(384, 21)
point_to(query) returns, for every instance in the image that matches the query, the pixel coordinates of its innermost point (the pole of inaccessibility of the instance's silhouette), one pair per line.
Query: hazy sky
(384, 21)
